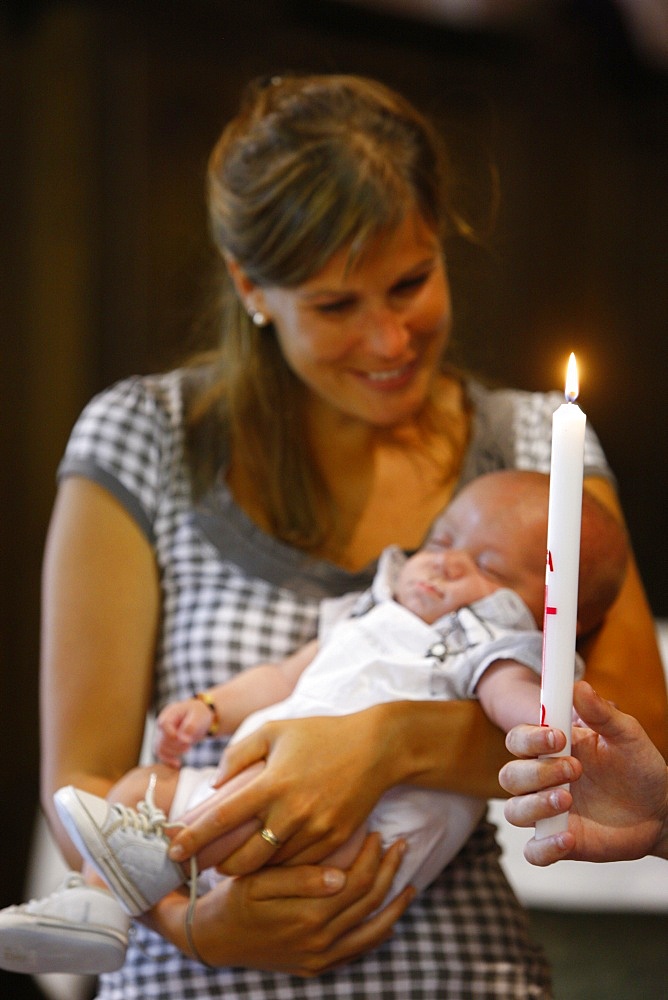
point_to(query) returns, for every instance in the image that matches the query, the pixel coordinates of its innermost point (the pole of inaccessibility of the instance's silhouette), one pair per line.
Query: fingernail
(550, 739)
(554, 802)
(176, 852)
(334, 878)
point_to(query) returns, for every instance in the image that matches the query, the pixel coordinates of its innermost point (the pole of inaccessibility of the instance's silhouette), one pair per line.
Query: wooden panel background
(108, 112)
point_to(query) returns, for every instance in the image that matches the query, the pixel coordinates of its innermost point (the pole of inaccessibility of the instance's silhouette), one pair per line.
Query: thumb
(239, 756)
(597, 713)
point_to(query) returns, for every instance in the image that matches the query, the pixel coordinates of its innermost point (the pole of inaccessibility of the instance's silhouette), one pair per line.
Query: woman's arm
(99, 620)
(622, 659)
(324, 775)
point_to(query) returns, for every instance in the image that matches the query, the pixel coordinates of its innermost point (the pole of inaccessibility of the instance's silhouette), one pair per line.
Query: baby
(460, 618)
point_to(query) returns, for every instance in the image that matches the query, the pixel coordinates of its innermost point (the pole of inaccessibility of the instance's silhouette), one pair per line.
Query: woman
(202, 514)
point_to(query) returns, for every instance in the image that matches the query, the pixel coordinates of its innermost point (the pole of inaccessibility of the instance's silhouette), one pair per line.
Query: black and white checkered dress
(233, 596)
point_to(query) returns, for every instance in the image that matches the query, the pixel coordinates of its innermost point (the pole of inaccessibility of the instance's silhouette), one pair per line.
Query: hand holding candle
(561, 575)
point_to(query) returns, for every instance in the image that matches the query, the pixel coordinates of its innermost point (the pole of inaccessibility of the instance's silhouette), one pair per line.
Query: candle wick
(571, 396)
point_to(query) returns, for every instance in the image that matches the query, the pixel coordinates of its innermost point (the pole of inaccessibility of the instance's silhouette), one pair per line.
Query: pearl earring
(259, 318)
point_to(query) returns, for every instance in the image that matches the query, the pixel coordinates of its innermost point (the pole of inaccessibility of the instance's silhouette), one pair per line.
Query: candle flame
(572, 382)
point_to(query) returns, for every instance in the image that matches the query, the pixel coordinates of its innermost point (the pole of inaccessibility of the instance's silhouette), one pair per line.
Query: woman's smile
(390, 379)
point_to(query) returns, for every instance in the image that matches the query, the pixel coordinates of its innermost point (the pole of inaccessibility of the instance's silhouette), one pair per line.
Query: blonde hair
(311, 164)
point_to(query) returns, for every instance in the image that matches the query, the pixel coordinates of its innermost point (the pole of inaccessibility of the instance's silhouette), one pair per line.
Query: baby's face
(437, 580)
(476, 547)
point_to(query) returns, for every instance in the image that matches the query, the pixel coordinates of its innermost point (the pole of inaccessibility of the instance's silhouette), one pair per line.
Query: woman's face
(366, 341)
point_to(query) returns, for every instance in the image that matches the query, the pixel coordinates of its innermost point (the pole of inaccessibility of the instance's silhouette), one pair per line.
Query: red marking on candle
(549, 561)
(542, 716)
(550, 611)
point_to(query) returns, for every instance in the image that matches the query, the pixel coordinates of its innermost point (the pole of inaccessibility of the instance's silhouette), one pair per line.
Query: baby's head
(603, 557)
(494, 534)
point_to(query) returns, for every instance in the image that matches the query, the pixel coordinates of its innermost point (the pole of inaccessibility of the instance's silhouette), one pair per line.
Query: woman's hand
(322, 778)
(618, 798)
(297, 920)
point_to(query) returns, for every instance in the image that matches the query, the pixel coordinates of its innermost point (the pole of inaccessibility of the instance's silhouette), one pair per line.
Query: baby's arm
(509, 694)
(222, 708)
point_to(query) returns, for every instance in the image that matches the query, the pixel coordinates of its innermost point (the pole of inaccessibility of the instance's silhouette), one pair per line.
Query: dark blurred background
(108, 111)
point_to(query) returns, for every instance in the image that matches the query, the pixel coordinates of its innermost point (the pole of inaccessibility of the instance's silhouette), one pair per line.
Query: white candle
(564, 520)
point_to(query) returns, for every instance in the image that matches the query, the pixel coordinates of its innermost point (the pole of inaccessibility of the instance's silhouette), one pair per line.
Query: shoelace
(148, 818)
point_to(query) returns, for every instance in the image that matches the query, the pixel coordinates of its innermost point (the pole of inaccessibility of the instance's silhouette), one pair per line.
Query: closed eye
(336, 306)
(414, 283)
(491, 566)
(439, 542)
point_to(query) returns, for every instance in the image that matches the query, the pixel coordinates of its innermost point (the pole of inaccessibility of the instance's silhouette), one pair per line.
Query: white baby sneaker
(78, 929)
(127, 847)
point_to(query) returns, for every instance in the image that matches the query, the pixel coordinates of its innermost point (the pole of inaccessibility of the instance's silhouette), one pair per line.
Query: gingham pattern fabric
(465, 936)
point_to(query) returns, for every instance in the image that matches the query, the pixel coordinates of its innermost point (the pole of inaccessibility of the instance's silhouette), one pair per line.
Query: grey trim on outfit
(237, 538)
(89, 469)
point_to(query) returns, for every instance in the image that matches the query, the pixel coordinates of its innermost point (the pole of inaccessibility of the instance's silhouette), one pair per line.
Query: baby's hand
(179, 726)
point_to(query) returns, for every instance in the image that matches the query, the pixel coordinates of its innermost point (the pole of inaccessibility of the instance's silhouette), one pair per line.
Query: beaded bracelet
(207, 700)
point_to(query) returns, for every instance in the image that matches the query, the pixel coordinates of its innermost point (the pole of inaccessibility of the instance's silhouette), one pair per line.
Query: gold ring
(270, 836)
